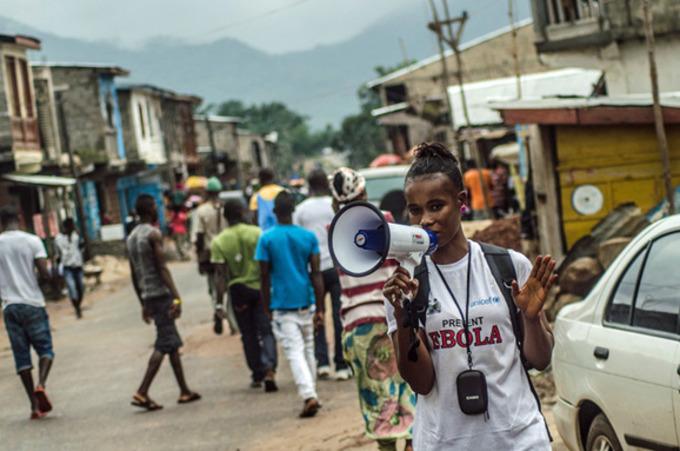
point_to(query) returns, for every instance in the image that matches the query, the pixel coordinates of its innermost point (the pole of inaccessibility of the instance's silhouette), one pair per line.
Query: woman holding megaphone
(468, 325)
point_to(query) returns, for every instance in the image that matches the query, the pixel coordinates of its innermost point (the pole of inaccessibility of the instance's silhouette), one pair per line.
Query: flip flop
(189, 398)
(44, 403)
(144, 403)
(37, 415)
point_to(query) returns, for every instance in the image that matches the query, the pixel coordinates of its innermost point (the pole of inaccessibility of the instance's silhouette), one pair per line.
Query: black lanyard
(467, 303)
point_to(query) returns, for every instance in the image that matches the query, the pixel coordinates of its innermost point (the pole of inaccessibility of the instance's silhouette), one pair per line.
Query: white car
(617, 352)
(385, 188)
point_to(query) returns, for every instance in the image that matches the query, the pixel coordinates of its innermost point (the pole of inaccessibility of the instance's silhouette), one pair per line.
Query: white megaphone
(360, 239)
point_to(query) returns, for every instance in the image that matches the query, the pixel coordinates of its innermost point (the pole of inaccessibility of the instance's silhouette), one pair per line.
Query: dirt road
(100, 361)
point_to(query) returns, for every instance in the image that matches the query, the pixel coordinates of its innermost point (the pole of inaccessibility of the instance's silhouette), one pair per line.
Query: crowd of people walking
(269, 270)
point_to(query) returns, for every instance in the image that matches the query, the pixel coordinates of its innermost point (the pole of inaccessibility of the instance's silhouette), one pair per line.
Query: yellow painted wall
(623, 161)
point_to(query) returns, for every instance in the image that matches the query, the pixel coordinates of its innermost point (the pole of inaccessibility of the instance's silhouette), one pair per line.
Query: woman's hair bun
(433, 150)
(432, 158)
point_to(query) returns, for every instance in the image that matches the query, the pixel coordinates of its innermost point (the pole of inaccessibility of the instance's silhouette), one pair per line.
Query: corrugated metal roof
(478, 95)
(22, 40)
(667, 99)
(99, 67)
(436, 58)
(216, 118)
(155, 90)
(389, 109)
(40, 180)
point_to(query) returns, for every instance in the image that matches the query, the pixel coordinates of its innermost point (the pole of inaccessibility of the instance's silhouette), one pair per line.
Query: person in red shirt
(178, 226)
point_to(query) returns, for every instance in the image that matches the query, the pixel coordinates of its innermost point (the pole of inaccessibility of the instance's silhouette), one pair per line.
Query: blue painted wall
(106, 86)
(128, 190)
(91, 208)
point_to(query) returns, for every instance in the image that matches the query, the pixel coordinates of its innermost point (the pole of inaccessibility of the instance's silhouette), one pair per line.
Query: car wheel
(601, 436)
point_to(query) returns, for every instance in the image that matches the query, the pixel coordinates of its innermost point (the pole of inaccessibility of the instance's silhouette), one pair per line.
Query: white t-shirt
(68, 248)
(314, 214)
(18, 282)
(515, 422)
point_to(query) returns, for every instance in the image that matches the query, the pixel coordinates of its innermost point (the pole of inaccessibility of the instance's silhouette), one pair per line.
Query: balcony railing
(571, 11)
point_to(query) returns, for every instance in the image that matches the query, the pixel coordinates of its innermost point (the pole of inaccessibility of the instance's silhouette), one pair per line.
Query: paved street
(99, 364)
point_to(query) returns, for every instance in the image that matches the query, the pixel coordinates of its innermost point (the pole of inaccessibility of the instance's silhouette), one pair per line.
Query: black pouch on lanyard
(472, 393)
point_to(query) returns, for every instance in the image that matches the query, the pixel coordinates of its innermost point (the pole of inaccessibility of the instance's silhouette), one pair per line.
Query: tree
(295, 141)
(361, 134)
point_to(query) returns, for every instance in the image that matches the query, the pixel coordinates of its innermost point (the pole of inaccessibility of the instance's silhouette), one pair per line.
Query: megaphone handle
(405, 297)
(409, 264)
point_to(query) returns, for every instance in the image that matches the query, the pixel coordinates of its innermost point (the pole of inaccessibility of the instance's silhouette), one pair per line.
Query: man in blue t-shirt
(289, 292)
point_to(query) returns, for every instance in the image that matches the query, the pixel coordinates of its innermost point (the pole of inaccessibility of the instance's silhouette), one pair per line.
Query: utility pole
(74, 173)
(658, 113)
(444, 77)
(515, 52)
(453, 41)
(403, 50)
(168, 130)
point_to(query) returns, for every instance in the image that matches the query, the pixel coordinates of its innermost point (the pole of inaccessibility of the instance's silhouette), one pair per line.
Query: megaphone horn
(361, 239)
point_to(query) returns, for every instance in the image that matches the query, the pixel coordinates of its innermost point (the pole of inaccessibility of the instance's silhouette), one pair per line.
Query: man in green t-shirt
(232, 253)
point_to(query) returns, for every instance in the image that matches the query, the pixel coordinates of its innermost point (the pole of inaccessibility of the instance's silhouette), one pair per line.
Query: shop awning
(507, 153)
(40, 180)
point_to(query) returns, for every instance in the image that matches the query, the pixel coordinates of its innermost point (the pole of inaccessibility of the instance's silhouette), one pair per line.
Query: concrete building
(609, 36)
(179, 129)
(218, 147)
(19, 138)
(48, 125)
(255, 152)
(90, 125)
(21, 154)
(414, 108)
(141, 120)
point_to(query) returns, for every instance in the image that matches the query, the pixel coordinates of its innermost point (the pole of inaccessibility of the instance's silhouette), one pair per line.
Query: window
(658, 298)
(148, 117)
(622, 301)
(396, 94)
(14, 94)
(110, 108)
(28, 98)
(376, 188)
(650, 298)
(141, 119)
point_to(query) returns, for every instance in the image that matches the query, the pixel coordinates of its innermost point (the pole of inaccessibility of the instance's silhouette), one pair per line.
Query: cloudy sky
(276, 26)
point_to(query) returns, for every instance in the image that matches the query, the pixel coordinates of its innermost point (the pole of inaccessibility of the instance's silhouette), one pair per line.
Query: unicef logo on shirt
(486, 301)
(434, 306)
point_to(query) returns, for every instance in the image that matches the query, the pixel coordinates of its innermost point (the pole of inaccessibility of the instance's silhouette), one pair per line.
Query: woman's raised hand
(531, 297)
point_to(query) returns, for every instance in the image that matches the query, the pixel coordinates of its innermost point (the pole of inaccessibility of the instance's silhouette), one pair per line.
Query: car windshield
(376, 188)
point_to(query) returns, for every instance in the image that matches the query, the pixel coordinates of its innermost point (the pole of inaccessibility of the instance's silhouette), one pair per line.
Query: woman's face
(433, 202)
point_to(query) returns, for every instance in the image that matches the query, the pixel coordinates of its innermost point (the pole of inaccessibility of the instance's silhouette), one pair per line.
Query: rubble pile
(504, 232)
(592, 255)
(545, 386)
(113, 268)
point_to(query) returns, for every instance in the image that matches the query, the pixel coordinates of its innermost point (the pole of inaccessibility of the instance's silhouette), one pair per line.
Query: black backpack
(503, 271)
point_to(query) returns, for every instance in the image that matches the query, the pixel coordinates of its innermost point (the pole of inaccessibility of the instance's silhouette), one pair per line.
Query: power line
(239, 23)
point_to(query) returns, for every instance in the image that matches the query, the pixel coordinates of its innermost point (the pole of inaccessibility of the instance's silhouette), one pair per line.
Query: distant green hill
(320, 83)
